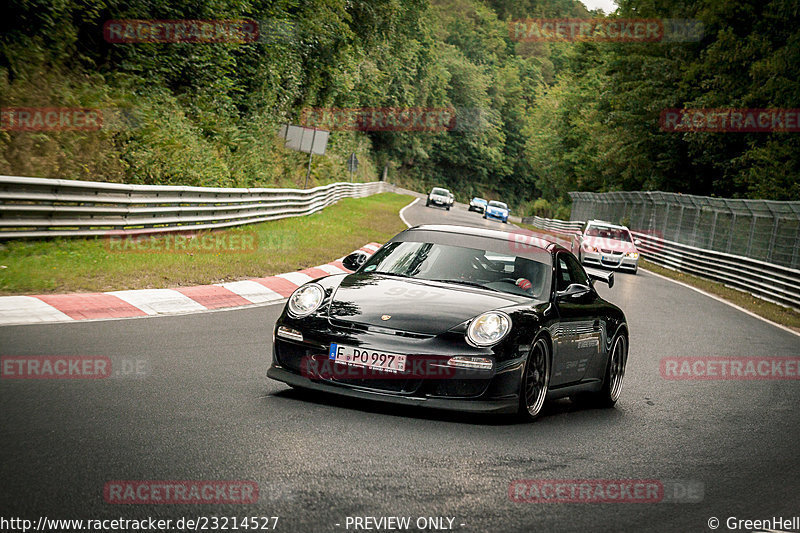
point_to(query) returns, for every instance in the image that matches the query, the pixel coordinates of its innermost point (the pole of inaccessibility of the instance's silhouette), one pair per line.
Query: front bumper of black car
(477, 405)
(491, 391)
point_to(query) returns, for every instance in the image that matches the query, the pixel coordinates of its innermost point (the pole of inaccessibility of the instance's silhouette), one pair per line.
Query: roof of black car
(529, 237)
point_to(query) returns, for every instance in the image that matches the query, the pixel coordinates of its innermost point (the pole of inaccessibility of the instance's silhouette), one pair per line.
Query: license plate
(370, 358)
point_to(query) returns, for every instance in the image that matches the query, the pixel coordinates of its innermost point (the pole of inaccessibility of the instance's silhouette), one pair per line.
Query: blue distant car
(497, 211)
(477, 204)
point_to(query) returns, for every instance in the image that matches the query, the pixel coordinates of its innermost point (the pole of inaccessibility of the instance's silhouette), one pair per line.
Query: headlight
(633, 255)
(488, 329)
(589, 248)
(305, 300)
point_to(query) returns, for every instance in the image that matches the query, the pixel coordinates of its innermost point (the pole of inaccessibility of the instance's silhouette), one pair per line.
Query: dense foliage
(545, 118)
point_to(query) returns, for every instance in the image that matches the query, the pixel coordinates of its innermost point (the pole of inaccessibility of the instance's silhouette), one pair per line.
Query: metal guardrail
(554, 225)
(567, 232)
(766, 230)
(768, 281)
(38, 207)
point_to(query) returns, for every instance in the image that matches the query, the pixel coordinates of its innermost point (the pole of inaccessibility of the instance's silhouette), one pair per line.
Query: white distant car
(610, 246)
(440, 197)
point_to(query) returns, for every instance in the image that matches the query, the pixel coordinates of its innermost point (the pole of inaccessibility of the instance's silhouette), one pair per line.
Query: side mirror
(576, 290)
(355, 260)
(601, 275)
(637, 242)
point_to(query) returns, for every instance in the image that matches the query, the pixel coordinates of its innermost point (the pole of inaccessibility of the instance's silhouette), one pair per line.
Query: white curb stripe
(298, 278)
(252, 291)
(29, 310)
(159, 301)
(403, 211)
(331, 269)
(26, 310)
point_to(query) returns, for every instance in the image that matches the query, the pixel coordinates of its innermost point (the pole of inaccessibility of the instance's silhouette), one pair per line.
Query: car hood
(498, 210)
(610, 244)
(417, 306)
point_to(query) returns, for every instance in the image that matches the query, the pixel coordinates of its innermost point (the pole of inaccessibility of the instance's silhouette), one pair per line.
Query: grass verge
(102, 264)
(776, 313)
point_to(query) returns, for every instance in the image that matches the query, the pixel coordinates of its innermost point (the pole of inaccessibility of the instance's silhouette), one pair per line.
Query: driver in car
(529, 274)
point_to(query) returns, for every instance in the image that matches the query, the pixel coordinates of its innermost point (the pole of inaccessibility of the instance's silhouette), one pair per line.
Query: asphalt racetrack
(199, 407)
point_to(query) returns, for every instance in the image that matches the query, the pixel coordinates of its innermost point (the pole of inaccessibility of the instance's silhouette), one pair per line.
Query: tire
(484, 217)
(427, 203)
(615, 374)
(535, 380)
(505, 222)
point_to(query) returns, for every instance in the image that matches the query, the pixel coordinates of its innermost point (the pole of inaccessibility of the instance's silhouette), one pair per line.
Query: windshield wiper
(465, 282)
(388, 273)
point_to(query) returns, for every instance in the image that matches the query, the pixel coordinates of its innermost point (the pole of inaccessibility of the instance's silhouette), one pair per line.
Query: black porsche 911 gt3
(456, 318)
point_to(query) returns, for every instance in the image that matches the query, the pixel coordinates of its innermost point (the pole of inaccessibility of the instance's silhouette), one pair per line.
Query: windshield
(490, 270)
(501, 205)
(479, 200)
(614, 234)
(443, 192)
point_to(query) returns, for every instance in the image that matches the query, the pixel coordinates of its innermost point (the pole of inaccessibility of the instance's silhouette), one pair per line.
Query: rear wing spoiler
(601, 275)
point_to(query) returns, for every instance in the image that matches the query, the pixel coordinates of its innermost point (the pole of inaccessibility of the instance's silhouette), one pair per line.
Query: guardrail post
(697, 216)
(713, 231)
(680, 222)
(750, 238)
(772, 238)
(730, 233)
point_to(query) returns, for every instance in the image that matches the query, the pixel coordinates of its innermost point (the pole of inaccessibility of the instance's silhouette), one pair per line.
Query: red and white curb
(15, 310)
